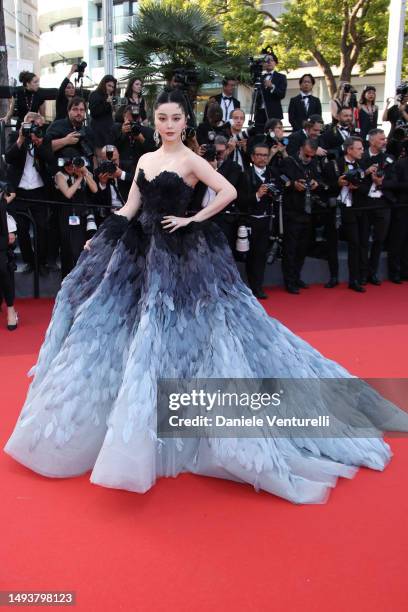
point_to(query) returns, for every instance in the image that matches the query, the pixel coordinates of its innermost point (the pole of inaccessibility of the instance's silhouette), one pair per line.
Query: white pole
(108, 34)
(395, 47)
(17, 16)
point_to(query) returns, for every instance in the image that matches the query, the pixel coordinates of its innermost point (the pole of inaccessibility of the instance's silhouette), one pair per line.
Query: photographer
(8, 230)
(272, 91)
(225, 99)
(346, 178)
(238, 142)
(113, 183)
(71, 132)
(260, 179)
(101, 110)
(131, 138)
(398, 234)
(303, 106)
(30, 166)
(274, 137)
(398, 112)
(334, 135)
(214, 125)
(367, 111)
(228, 219)
(380, 185)
(74, 183)
(185, 80)
(134, 97)
(345, 97)
(304, 184)
(67, 91)
(29, 98)
(312, 129)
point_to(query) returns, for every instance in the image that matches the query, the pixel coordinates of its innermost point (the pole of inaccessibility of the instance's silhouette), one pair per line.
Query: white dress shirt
(31, 179)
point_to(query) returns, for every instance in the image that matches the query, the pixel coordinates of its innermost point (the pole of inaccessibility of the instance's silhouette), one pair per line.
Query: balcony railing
(120, 26)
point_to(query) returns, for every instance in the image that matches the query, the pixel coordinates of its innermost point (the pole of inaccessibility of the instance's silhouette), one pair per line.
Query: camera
(381, 168)
(402, 91)
(185, 77)
(355, 176)
(4, 187)
(106, 167)
(273, 189)
(210, 150)
(81, 69)
(401, 130)
(271, 139)
(255, 70)
(87, 150)
(348, 88)
(77, 161)
(31, 128)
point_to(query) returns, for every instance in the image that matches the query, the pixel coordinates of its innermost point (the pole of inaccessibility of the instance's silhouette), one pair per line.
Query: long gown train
(143, 304)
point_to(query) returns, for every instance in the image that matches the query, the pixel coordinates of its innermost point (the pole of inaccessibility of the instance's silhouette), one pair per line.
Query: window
(100, 53)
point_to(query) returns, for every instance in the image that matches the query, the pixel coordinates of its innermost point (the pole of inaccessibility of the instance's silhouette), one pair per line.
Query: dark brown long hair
(108, 78)
(129, 92)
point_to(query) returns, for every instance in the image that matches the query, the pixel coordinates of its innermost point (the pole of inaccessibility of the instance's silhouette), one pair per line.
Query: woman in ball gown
(156, 294)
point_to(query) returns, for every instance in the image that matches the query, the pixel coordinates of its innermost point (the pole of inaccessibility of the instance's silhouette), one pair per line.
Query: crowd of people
(345, 177)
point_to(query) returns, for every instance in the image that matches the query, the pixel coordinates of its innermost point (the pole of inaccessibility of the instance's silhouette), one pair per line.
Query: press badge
(74, 220)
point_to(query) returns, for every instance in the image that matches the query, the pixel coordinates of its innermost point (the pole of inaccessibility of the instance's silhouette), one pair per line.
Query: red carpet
(194, 543)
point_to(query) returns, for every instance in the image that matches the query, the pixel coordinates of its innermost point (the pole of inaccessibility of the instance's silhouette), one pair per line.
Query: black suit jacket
(390, 185)
(16, 157)
(250, 202)
(296, 140)
(234, 175)
(297, 112)
(332, 140)
(235, 104)
(273, 98)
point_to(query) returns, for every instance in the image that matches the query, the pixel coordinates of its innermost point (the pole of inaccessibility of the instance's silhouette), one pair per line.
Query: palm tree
(166, 37)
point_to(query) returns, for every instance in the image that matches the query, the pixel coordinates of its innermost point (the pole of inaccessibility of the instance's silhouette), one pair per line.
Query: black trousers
(6, 279)
(297, 234)
(229, 225)
(398, 243)
(38, 212)
(355, 227)
(258, 249)
(73, 238)
(378, 223)
(327, 219)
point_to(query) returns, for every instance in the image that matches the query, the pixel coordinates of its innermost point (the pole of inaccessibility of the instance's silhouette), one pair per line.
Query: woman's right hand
(87, 245)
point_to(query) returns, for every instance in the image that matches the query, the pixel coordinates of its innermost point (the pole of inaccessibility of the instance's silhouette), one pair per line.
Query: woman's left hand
(173, 223)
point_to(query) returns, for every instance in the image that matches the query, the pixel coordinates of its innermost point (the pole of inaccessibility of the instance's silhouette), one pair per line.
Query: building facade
(22, 37)
(74, 32)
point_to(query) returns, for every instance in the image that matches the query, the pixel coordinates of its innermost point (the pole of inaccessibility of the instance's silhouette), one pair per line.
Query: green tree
(172, 33)
(332, 33)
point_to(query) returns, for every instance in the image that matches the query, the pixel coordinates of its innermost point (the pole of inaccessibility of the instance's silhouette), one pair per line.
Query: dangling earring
(156, 138)
(183, 134)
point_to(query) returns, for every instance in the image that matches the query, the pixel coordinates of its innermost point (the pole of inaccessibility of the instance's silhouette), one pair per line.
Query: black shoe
(356, 286)
(260, 294)
(333, 282)
(301, 284)
(404, 277)
(374, 280)
(44, 271)
(292, 289)
(363, 281)
(13, 327)
(28, 269)
(396, 279)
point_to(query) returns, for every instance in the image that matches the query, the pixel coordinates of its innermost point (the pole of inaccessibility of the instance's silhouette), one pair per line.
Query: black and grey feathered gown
(144, 304)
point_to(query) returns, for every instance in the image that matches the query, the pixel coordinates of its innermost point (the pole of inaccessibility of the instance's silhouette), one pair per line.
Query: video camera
(185, 77)
(31, 128)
